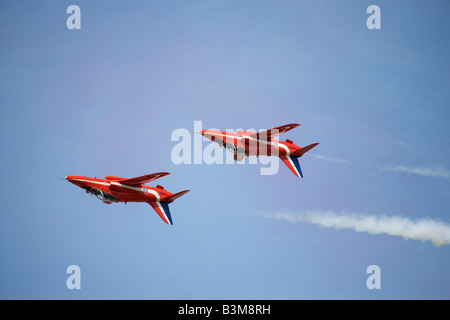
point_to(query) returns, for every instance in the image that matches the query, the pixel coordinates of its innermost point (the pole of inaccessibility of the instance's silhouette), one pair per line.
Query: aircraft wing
(143, 179)
(269, 134)
(162, 209)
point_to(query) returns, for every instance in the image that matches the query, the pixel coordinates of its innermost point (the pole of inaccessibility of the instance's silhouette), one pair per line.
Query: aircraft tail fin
(293, 164)
(292, 160)
(162, 209)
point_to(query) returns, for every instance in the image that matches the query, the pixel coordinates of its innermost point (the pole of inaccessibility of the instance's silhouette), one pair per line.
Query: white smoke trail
(436, 231)
(436, 172)
(333, 159)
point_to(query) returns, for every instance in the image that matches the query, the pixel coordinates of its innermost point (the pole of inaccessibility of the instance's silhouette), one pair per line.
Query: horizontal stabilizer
(143, 179)
(302, 151)
(174, 196)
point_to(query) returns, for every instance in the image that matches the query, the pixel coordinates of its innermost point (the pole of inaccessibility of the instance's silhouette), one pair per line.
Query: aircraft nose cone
(202, 132)
(70, 178)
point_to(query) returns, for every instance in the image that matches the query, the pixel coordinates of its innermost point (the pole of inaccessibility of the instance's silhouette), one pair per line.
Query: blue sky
(104, 100)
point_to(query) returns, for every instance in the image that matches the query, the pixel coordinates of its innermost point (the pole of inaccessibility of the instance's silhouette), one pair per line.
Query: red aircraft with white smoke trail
(247, 143)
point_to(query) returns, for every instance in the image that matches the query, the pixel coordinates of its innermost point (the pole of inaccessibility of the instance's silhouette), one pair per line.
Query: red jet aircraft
(246, 143)
(115, 189)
